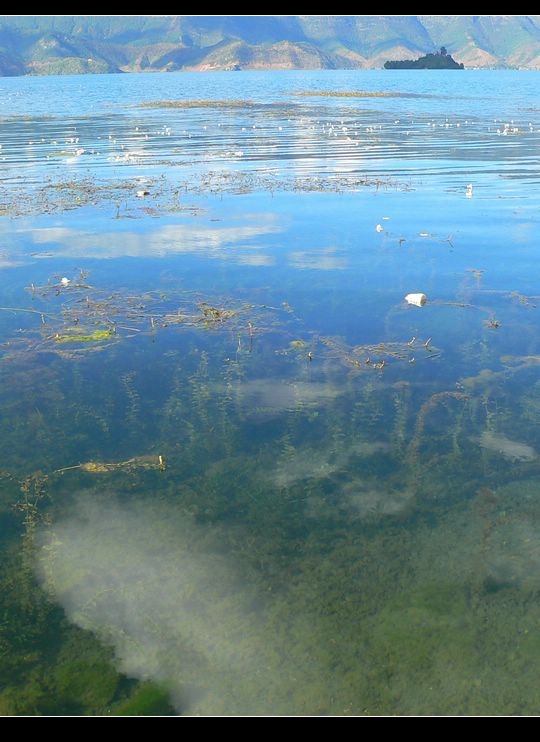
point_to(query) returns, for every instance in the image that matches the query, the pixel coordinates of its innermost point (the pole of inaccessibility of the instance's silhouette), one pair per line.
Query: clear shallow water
(241, 473)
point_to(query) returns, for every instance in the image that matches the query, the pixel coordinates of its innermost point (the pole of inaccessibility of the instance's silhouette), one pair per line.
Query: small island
(440, 60)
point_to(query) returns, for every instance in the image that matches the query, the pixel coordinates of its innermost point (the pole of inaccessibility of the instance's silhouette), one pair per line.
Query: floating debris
(73, 317)
(137, 462)
(417, 299)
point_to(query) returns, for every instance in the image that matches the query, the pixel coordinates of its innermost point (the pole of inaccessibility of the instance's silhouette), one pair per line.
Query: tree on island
(440, 60)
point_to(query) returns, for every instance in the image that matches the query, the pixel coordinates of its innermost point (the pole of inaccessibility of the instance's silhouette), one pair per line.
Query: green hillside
(48, 44)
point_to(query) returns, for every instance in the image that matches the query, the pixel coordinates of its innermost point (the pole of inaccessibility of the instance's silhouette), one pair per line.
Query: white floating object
(417, 299)
(379, 228)
(143, 193)
(65, 281)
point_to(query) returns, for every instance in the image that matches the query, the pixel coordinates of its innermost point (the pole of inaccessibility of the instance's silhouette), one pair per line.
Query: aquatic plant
(425, 410)
(354, 94)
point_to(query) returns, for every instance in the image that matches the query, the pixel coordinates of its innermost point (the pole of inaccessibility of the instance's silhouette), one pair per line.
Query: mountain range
(76, 44)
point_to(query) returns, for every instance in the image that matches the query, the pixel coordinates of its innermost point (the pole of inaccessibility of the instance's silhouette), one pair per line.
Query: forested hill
(438, 61)
(41, 45)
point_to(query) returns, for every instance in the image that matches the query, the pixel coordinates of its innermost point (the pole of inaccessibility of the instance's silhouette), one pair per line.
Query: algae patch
(73, 336)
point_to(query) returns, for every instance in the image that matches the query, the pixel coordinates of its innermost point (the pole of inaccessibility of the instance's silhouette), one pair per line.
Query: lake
(270, 394)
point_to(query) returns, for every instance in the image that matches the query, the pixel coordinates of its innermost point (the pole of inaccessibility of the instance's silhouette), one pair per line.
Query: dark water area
(270, 376)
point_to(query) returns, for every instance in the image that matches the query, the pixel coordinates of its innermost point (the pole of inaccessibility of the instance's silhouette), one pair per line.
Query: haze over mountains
(42, 45)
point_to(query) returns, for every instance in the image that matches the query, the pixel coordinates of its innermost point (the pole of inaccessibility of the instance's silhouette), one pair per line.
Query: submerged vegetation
(243, 104)
(241, 472)
(361, 464)
(161, 197)
(354, 94)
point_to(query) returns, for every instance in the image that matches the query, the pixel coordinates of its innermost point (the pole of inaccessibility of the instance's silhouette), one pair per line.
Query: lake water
(241, 473)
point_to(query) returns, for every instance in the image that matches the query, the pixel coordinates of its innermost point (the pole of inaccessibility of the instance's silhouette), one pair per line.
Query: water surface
(241, 473)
